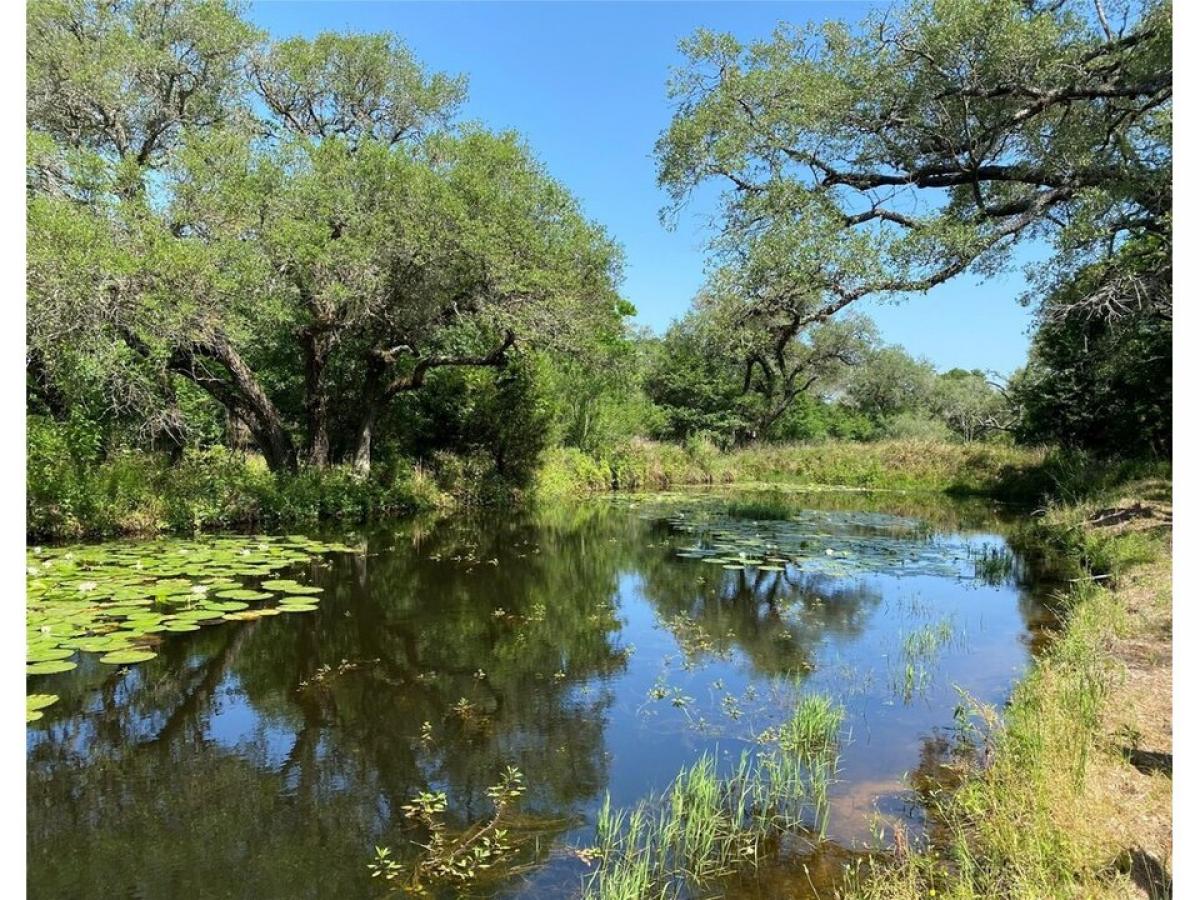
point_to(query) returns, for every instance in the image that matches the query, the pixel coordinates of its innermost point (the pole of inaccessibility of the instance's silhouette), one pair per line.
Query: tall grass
(706, 826)
(894, 464)
(771, 508)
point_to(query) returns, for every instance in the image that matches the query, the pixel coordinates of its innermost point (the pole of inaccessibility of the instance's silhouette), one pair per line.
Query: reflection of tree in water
(775, 619)
(141, 769)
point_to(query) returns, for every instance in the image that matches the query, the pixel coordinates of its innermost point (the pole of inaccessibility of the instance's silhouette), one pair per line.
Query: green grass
(705, 826)
(911, 465)
(770, 508)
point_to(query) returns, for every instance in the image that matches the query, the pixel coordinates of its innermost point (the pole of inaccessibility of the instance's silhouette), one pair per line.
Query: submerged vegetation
(455, 859)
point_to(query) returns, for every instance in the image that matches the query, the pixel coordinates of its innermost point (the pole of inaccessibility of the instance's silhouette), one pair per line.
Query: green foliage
(296, 228)
(915, 426)
(133, 492)
(694, 384)
(599, 393)
(928, 141)
(890, 383)
(1098, 382)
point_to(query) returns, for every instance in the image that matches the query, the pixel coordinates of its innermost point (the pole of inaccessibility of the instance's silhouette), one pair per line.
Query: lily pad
(47, 654)
(127, 657)
(50, 668)
(40, 701)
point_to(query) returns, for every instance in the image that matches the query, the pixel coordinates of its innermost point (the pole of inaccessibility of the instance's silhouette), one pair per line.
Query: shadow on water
(267, 758)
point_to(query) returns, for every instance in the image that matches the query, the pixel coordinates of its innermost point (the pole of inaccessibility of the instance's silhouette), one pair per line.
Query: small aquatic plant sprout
(447, 857)
(919, 650)
(705, 826)
(994, 565)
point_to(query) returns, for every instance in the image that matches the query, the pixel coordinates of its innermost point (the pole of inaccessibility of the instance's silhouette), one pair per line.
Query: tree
(694, 383)
(1099, 382)
(299, 230)
(600, 392)
(927, 142)
(717, 374)
(777, 360)
(970, 405)
(890, 382)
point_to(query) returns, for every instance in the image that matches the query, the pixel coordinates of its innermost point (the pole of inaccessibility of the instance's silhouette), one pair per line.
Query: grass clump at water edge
(706, 826)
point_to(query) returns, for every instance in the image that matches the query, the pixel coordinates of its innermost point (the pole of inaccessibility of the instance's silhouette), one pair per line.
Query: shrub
(74, 493)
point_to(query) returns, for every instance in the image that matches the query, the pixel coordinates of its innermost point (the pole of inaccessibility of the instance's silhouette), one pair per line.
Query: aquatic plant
(453, 858)
(918, 653)
(705, 826)
(760, 509)
(118, 600)
(834, 543)
(35, 703)
(994, 565)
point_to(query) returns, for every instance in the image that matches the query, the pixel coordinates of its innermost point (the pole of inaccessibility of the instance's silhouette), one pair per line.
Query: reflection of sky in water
(235, 723)
(290, 786)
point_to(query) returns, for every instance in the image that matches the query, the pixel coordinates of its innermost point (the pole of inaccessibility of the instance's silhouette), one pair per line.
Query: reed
(705, 826)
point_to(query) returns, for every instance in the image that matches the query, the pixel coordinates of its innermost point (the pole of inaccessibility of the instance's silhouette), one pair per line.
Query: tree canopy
(290, 227)
(924, 143)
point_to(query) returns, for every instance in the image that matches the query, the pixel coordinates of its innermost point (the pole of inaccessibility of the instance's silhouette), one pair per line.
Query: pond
(198, 749)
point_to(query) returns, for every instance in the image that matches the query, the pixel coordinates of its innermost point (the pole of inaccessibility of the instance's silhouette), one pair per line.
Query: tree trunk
(239, 392)
(373, 399)
(378, 391)
(362, 439)
(317, 343)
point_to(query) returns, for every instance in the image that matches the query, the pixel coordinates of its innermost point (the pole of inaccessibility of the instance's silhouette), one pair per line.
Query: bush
(75, 493)
(909, 426)
(568, 470)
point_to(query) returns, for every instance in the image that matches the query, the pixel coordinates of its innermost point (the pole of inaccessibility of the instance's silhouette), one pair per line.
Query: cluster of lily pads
(817, 542)
(119, 600)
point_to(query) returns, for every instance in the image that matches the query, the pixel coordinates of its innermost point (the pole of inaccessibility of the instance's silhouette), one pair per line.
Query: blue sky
(585, 83)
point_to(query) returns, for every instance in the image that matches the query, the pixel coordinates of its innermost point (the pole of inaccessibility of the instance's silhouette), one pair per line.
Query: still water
(597, 647)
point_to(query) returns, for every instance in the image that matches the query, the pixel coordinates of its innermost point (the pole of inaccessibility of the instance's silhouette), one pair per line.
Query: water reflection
(267, 758)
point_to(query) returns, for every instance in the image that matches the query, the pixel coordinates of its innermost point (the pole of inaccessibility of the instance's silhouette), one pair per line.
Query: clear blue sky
(585, 84)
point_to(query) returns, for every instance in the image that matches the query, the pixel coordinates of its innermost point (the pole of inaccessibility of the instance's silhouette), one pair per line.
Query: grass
(1042, 818)
(771, 508)
(706, 826)
(913, 465)
(919, 650)
(994, 565)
